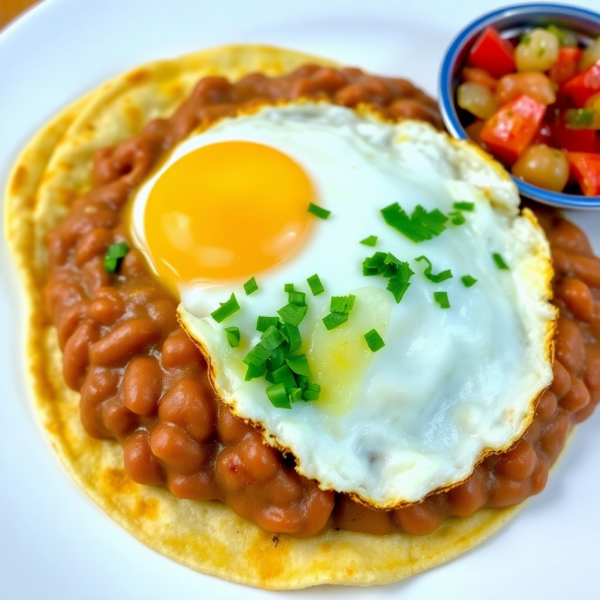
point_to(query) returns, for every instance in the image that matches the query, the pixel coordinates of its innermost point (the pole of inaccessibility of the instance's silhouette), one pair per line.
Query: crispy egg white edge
(477, 168)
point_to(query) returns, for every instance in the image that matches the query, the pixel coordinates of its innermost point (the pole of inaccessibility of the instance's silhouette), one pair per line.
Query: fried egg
(462, 363)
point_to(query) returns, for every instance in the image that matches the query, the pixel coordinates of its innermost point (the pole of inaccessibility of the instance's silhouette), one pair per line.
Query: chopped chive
(342, 304)
(387, 265)
(311, 392)
(499, 261)
(288, 287)
(436, 278)
(293, 334)
(263, 323)
(442, 299)
(278, 396)
(285, 376)
(272, 338)
(334, 320)
(420, 226)
(255, 371)
(233, 336)
(468, 281)
(250, 286)
(292, 314)
(258, 356)
(226, 309)
(318, 211)
(315, 285)
(295, 394)
(277, 359)
(369, 241)
(113, 256)
(374, 340)
(297, 298)
(457, 217)
(468, 206)
(299, 365)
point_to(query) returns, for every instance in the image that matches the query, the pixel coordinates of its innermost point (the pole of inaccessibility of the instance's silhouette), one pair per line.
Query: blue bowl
(511, 21)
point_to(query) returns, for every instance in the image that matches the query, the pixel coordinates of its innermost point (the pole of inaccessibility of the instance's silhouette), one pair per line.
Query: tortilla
(207, 536)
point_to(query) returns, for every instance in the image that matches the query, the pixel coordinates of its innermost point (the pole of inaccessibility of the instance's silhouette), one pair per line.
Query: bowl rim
(446, 92)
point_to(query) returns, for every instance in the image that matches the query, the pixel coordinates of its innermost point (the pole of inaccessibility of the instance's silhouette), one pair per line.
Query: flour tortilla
(54, 169)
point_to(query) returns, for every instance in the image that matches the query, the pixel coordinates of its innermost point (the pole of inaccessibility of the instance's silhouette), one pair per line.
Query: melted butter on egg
(226, 210)
(340, 358)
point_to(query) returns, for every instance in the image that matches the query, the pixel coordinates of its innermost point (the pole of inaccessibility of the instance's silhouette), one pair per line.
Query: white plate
(54, 542)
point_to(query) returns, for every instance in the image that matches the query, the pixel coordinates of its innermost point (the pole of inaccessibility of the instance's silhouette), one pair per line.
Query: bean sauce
(144, 383)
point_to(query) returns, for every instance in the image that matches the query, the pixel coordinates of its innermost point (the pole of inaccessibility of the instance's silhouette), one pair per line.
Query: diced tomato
(574, 140)
(565, 66)
(586, 169)
(509, 131)
(480, 76)
(492, 53)
(583, 85)
(543, 135)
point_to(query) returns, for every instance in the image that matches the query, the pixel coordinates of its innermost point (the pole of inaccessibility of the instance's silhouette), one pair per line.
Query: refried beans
(144, 383)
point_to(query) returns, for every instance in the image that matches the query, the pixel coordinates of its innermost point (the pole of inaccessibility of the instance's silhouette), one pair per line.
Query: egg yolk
(226, 211)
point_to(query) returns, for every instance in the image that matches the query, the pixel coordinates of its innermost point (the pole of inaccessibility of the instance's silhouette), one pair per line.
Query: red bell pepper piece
(508, 132)
(565, 66)
(583, 85)
(492, 53)
(564, 137)
(586, 169)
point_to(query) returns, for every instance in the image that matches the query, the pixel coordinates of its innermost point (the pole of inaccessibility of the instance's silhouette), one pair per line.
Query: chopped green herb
(277, 359)
(226, 309)
(526, 40)
(499, 261)
(285, 376)
(333, 320)
(420, 226)
(468, 281)
(340, 307)
(442, 299)
(263, 323)
(255, 371)
(468, 206)
(580, 118)
(297, 298)
(278, 396)
(318, 211)
(311, 392)
(250, 286)
(388, 266)
(113, 256)
(299, 364)
(293, 336)
(294, 394)
(292, 313)
(442, 276)
(457, 217)
(541, 52)
(369, 241)
(233, 336)
(272, 338)
(288, 287)
(399, 283)
(374, 340)
(315, 285)
(342, 304)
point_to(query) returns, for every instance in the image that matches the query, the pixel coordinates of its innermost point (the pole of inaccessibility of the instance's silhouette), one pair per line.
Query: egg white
(450, 385)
